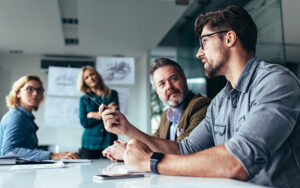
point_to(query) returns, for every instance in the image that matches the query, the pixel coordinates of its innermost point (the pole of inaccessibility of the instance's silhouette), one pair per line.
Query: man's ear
(230, 38)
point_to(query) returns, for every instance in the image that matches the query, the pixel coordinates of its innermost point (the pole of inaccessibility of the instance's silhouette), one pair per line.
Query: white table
(81, 176)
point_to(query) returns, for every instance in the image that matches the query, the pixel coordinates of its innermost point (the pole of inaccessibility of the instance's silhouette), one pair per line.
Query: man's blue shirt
(18, 135)
(258, 121)
(174, 116)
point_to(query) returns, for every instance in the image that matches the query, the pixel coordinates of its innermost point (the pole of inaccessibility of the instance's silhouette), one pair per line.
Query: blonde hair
(12, 100)
(82, 87)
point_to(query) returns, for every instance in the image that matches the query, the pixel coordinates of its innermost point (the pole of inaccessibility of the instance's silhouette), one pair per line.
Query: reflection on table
(81, 176)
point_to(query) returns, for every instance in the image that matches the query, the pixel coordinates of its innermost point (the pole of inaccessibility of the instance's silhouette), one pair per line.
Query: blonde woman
(95, 138)
(17, 127)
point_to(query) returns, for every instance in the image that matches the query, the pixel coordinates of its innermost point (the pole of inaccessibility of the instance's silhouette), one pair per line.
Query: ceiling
(105, 27)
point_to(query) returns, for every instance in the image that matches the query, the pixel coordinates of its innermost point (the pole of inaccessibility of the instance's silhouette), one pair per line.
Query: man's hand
(114, 121)
(64, 155)
(116, 151)
(113, 105)
(137, 156)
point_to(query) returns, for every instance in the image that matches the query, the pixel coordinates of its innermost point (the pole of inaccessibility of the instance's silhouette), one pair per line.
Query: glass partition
(267, 15)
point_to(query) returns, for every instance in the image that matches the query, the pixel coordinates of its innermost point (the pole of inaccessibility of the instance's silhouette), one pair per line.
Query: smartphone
(116, 176)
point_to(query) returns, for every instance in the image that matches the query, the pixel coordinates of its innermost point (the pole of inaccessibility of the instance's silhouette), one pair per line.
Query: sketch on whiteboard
(116, 70)
(62, 81)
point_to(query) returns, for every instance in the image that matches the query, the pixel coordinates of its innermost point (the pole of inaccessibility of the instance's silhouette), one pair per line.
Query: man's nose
(200, 53)
(169, 85)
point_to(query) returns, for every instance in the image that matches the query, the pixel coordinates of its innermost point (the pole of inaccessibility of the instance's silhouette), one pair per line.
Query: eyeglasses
(31, 89)
(203, 43)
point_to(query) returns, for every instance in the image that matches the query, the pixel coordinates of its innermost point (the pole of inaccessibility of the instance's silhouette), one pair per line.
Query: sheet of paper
(75, 160)
(59, 164)
(62, 81)
(61, 112)
(116, 70)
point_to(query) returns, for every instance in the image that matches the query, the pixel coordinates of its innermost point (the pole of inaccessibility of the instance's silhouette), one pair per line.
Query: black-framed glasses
(203, 44)
(31, 89)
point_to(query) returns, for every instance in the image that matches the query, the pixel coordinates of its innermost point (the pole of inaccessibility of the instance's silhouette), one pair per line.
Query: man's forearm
(213, 162)
(155, 144)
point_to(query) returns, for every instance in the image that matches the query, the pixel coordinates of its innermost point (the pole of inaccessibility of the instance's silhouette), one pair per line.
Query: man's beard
(177, 103)
(212, 71)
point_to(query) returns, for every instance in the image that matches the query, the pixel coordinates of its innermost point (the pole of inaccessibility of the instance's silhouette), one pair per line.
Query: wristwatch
(155, 158)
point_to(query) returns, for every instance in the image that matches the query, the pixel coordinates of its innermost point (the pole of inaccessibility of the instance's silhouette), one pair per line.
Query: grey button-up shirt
(259, 123)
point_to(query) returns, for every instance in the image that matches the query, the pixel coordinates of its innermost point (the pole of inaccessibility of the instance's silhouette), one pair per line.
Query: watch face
(157, 156)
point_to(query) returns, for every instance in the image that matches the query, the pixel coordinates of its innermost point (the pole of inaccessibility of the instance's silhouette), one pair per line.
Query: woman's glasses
(31, 89)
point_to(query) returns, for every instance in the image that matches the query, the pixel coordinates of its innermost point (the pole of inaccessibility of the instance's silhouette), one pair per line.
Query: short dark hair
(161, 62)
(233, 18)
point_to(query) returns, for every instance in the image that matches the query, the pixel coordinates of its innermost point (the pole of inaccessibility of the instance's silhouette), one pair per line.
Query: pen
(92, 98)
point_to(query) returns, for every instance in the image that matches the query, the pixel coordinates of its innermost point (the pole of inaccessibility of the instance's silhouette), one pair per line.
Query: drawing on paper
(116, 70)
(65, 80)
(62, 81)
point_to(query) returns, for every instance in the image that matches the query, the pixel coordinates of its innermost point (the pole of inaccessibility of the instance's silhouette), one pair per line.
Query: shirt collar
(244, 79)
(174, 115)
(28, 114)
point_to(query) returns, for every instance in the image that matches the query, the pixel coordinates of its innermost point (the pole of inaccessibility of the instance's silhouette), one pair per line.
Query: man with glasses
(252, 127)
(17, 127)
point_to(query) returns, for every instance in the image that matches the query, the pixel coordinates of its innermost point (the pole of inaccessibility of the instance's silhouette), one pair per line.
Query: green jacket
(95, 137)
(193, 112)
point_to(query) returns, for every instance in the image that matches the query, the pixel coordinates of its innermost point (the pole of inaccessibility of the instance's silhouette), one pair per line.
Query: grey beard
(175, 104)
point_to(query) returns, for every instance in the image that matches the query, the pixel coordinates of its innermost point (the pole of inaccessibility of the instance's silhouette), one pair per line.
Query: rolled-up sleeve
(271, 119)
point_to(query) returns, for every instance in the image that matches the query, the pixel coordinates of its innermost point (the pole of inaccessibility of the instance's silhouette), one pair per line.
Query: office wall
(14, 66)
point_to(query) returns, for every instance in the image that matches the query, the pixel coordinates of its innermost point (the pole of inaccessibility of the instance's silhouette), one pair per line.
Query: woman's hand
(94, 115)
(63, 155)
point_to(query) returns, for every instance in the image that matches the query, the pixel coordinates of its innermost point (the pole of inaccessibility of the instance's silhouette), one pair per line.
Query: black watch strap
(155, 158)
